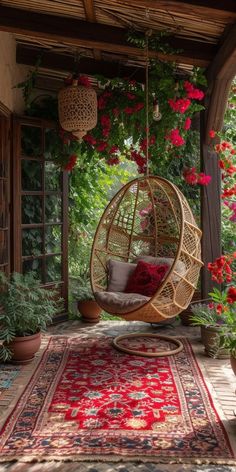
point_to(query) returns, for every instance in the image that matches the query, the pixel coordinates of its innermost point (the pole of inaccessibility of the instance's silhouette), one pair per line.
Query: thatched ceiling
(97, 29)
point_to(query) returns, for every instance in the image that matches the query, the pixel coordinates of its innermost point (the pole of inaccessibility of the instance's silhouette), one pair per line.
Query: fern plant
(25, 308)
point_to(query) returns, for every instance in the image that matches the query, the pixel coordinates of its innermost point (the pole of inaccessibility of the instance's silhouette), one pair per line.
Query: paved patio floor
(217, 373)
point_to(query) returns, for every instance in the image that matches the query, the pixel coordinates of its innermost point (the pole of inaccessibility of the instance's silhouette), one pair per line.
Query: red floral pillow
(146, 278)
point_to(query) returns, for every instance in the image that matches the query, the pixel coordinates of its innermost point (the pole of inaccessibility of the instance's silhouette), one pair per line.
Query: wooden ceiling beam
(79, 33)
(215, 9)
(89, 11)
(28, 55)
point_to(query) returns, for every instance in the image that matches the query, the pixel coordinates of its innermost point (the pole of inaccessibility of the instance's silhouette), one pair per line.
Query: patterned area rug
(88, 401)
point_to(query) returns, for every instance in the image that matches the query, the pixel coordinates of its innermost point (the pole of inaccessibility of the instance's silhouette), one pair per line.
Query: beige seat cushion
(118, 302)
(180, 266)
(119, 274)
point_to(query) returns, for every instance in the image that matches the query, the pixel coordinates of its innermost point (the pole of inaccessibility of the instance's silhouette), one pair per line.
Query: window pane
(32, 242)
(52, 239)
(31, 209)
(53, 268)
(53, 177)
(52, 142)
(31, 141)
(52, 209)
(34, 265)
(31, 175)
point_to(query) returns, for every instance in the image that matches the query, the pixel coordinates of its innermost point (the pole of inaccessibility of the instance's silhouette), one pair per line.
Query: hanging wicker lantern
(77, 107)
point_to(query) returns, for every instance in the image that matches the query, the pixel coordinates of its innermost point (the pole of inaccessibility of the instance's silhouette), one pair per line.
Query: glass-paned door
(4, 194)
(41, 196)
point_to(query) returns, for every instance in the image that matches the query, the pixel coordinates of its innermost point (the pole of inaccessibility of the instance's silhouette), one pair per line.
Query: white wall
(10, 74)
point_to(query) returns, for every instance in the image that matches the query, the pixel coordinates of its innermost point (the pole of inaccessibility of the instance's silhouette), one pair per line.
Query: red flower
(105, 132)
(130, 96)
(71, 163)
(101, 146)
(203, 179)
(114, 149)
(187, 123)
(175, 138)
(193, 92)
(105, 121)
(88, 138)
(152, 139)
(138, 106)
(82, 80)
(212, 133)
(112, 161)
(101, 102)
(231, 295)
(190, 176)
(180, 105)
(129, 110)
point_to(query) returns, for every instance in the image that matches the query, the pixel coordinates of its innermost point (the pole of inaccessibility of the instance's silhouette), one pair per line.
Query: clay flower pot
(25, 347)
(90, 310)
(233, 363)
(210, 339)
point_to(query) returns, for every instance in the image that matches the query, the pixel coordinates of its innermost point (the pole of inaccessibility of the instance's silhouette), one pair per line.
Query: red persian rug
(88, 401)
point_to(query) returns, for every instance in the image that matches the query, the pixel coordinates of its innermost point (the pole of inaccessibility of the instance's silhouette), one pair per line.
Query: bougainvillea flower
(193, 92)
(175, 138)
(212, 133)
(71, 163)
(231, 295)
(113, 161)
(203, 179)
(129, 110)
(190, 175)
(88, 138)
(180, 105)
(138, 106)
(187, 123)
(102, 145)
(85, 81)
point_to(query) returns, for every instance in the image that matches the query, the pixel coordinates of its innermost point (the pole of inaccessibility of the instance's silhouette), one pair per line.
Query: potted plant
(82, 293)
(26, 310)
(210, 319)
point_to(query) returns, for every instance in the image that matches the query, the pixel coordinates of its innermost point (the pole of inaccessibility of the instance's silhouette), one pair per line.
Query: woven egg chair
(148, 219)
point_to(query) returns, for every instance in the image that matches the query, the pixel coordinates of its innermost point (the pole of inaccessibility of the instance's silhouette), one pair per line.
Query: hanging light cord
(147, 108)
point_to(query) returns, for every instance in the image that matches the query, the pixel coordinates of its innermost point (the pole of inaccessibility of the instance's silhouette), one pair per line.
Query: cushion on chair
(180, 266)
(118, 275)
(118, 302)
(146, 278)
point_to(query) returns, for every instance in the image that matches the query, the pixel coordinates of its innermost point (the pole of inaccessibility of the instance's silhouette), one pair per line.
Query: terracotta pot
(233, 363)
(25, 347)
(90, 310)
(210, 339)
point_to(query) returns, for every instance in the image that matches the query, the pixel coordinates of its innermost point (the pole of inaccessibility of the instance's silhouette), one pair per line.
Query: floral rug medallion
(86, 401)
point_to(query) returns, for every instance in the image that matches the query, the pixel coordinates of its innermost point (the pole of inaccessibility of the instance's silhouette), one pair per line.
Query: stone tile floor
(217, 372)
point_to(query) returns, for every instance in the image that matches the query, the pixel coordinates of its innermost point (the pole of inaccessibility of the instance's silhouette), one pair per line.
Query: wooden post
(210, 210)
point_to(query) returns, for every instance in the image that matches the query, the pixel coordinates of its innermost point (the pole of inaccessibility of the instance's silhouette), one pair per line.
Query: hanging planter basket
(77, 107)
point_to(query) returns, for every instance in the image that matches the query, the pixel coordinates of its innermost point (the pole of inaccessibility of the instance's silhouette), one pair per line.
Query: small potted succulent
(25, 311)
(82, 294)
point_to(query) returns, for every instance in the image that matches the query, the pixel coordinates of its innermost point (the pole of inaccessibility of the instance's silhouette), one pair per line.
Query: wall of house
(10, 74)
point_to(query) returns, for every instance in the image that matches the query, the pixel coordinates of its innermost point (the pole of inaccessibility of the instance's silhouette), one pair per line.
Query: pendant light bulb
(156, 111)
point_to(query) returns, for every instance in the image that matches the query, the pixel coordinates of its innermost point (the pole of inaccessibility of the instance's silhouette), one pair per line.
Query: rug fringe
(118, 458)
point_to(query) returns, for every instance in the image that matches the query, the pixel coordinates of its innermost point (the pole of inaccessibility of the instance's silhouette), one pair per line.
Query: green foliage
(205, 316)
(81, 288)
(26, 308)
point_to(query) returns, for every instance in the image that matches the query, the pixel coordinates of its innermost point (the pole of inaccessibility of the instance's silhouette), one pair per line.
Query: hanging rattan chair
(148, 217)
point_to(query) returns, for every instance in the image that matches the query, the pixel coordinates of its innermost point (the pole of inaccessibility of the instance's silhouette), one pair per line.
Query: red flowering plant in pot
(218, 318)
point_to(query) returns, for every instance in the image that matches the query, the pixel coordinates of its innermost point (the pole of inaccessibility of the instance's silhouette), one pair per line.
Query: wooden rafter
(28, 55)
(94, 36)
(217, 9)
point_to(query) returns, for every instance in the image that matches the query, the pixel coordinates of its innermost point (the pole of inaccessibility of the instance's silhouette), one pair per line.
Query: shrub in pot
(25, 310)
(211, 322)
(86, 304)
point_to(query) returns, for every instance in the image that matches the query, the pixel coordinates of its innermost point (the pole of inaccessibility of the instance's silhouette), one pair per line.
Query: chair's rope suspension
(148, 33)
(147, 107)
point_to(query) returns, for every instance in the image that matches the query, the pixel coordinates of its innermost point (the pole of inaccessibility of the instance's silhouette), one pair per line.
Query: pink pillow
(146, 278)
